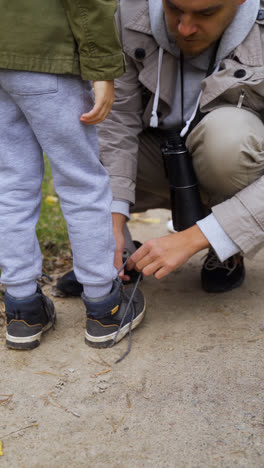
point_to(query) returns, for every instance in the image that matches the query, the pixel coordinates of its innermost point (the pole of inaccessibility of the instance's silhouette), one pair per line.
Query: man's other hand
(103, 101)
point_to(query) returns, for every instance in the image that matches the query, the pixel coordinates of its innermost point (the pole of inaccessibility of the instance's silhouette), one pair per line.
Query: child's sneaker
(27, 319)
(108, 320)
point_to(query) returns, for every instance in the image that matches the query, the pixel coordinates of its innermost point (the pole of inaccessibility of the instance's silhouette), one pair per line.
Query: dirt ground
(189, 394)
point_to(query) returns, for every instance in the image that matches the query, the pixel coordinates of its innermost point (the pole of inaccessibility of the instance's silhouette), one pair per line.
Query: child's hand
(104, 98)
(119, 221)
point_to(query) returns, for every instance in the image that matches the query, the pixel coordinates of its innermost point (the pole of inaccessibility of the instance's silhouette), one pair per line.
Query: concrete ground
(189, 394)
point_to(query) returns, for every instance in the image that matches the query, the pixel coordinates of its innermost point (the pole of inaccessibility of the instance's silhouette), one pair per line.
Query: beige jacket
(243, 71)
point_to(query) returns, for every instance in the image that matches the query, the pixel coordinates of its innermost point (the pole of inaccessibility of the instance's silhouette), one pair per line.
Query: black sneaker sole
(26, 343)
(106, 340)
(218, 289)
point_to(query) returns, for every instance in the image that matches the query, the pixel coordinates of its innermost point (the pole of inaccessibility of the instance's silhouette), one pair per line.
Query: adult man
(49, 53)
(226, 146)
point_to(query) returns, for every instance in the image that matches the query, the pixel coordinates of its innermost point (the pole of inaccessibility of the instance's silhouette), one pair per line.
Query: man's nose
(186, 26)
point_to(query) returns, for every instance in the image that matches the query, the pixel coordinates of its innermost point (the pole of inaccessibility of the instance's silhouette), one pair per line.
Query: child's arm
(94, 29)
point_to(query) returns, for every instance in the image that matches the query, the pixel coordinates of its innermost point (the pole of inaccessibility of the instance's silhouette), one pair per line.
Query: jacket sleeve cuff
(120, 206)
(240, 221)
(219, 240)
(102, 68)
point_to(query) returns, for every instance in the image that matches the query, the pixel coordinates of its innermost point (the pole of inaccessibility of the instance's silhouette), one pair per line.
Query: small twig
(128, 401)
(102, 360)
(5, 399)
(103, 372)
(97, 362)
(47, 373)
(120, 422)
(55, 403)
(48, 401)
(18, 430)
(112, 424)
(116, 426)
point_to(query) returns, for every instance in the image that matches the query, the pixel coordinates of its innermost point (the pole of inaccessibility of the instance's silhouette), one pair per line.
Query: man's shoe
(27, 319)
(108, 321)
(224, 276)
(69, 285)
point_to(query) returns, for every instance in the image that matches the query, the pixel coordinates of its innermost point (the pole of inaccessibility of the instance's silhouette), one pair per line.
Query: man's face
(197, 24)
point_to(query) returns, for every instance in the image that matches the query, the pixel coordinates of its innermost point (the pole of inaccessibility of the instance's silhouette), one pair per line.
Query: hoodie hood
(195, 67)
(235, 33)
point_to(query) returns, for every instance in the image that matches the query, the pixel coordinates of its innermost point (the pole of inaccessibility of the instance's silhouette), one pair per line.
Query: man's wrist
(196, 239)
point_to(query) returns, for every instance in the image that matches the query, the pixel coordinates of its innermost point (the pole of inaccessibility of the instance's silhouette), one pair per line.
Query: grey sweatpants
(41, 112)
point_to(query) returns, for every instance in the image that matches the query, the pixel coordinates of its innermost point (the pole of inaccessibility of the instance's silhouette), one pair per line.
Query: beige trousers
(228, 154)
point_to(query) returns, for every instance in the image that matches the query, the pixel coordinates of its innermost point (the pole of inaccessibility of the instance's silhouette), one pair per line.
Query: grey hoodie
(195, 67)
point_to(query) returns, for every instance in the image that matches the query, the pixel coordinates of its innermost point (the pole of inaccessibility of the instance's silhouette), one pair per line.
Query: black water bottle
(186, 205)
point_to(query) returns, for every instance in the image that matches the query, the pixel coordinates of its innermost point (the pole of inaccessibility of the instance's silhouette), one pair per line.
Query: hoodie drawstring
(154, 121)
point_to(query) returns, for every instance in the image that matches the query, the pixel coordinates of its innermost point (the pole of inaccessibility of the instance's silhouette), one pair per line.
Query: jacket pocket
(227, 85)
(28, 83)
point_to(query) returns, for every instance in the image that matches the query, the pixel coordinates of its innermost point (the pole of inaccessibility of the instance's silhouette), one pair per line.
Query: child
(49, 52)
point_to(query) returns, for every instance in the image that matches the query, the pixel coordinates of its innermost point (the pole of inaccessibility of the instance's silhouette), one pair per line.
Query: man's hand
(104, 98)
(161, 256)
(119, 221)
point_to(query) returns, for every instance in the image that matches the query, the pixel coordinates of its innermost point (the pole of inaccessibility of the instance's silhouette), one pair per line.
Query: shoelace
(50, 315)
(46, 276)
(213, 262)
(130, 303)
(48, 309)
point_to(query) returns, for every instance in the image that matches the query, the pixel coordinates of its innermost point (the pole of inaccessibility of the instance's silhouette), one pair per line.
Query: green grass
(51, 228)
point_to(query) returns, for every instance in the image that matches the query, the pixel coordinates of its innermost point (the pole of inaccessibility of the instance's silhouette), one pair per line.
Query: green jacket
(61, 36)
